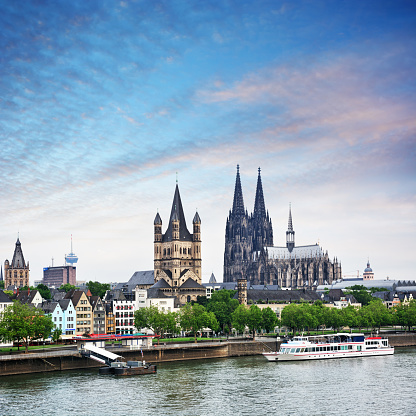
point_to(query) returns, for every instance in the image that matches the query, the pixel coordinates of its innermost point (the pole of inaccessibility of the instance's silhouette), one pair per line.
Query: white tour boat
(330, 346)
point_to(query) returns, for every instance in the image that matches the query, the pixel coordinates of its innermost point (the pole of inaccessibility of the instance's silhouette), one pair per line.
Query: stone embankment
(70, 359)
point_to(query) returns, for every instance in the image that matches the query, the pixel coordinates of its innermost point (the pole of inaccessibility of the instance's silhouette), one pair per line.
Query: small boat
(129, 368)
(322, 347)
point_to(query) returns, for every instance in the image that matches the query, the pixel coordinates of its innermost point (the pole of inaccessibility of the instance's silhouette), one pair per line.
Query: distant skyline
(102, 102)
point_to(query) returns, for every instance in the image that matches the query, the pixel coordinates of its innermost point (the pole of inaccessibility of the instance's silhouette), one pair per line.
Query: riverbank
(70, 359)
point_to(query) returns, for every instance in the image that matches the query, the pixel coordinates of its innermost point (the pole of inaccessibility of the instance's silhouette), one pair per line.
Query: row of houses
(78, 312)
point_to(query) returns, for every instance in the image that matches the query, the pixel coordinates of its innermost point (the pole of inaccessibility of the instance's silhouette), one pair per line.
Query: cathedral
(250, 254)
(177, 255)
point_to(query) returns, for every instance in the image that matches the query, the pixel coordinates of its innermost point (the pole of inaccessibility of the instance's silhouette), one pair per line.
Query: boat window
(292, 351)
(302, 350)
(297, 349)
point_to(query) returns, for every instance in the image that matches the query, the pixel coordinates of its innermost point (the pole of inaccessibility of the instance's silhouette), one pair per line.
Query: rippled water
(235, 386)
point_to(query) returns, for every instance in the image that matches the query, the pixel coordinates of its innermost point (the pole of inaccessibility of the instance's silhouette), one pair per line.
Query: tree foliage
(269, 319)
(405, 314)
(23, 323)
(97, 288)
(223, 305)
(44, 291)
(195, 317)
(305, 316)
(56, 334)
(67, 287)
(160, 322)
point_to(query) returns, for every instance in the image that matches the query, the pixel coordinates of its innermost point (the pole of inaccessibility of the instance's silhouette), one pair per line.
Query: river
(232, 386)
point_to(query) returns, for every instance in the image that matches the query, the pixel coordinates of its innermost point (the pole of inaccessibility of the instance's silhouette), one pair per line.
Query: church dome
(368, 268)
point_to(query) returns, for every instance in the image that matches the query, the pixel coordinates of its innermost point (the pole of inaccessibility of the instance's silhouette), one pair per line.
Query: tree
(44, 291)
(269, 319)
(255, 319)
(223, 305)
(171, 323)
(56, 334)
(195, 317)
(378, 313)
(21, 322)
(349, 317)
(239, 318)
(405, 314)
(140, 318)
(97, 288)
(67, 287)
(1, 284)
(289, 318)
(158, 321)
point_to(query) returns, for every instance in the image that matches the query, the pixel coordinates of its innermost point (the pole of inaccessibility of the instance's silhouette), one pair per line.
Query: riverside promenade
(68, 358)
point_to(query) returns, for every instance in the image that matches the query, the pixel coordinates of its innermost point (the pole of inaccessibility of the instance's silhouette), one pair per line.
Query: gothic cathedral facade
(250, 253)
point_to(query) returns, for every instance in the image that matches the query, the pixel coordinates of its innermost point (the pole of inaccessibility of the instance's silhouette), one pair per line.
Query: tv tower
(71, 258)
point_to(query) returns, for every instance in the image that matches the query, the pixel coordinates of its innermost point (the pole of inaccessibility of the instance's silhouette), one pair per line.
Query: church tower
(177, 252)
(238, 237)
(261, 223)
(16, 273)
(290, 234)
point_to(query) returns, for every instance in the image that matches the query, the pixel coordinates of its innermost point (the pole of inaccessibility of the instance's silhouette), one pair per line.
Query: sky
(104, 105)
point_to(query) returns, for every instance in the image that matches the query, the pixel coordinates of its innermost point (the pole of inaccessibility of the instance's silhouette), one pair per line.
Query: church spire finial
(290, 225)
(238, 203)
(290, 234)
(259, 205)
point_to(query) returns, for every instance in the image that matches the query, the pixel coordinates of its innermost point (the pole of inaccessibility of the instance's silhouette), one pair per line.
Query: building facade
(177, 254)
(16, 273)
(60, 275)
(250, 254)
(84, 315)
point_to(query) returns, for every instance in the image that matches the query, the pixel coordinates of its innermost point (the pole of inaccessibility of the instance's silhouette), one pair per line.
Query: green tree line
(373, 315)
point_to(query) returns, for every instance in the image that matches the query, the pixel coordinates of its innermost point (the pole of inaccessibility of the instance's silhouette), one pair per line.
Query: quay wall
(38, 362)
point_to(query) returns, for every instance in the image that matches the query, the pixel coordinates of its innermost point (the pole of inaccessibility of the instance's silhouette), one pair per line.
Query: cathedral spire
(290, 226)
(238, 203)
(259, 206)
(290, 234)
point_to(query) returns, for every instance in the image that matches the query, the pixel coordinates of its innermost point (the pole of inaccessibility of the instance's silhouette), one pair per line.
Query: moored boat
(121, 368)
(341, 345)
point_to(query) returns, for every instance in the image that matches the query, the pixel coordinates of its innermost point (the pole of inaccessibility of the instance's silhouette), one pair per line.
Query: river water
(233, 386)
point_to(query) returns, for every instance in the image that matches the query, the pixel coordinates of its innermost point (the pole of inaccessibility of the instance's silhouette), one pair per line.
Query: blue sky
(102, 102)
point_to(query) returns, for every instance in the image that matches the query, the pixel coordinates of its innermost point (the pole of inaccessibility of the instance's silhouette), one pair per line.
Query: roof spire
(238, 203)
(290, 234)
(259, 206)
(290, 226)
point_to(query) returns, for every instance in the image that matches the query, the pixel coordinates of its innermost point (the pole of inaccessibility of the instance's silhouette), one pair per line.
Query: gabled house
(69, 313)
(110, 321)
(84, 315)
(54, 310)
(98, 313)
(31, 297)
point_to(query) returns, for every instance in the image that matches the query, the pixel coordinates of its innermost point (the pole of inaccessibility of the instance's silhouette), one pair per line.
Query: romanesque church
(250, 253)
(177, 255)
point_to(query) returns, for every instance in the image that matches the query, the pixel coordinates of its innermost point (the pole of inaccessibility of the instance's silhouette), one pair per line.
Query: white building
(5, 301)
